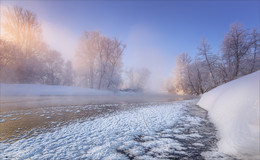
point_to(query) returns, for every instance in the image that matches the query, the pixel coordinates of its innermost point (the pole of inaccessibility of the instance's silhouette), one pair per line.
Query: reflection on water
(22, 117)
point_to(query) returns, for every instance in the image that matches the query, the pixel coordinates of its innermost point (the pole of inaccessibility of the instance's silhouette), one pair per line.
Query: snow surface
(42, 90)
(99, 138)
(234, 109)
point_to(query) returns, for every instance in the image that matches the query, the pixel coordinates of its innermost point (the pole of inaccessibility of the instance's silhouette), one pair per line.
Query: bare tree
(8, 55)
(208, 58)
(103, 55)
(137, 79)
(53, 67)
(235, 47)
(115, 64)
(85, 58)
(189, 76)
(240, 56)
(99, 61)
(22, 28)
(255, 51)
(181, 74)
(68, 74)
(110, 53)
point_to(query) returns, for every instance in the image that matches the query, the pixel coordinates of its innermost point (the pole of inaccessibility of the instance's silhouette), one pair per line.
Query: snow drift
(234, 109)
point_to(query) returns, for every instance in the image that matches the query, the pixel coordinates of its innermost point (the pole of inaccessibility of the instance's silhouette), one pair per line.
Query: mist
(60, 38)
(141, 51)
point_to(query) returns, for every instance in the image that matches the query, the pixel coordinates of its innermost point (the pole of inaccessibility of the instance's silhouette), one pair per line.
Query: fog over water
(9, 103)
(25, 116)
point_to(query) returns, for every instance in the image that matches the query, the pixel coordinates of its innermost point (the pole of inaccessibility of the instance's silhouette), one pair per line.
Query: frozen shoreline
(94, 139)
(157, 130)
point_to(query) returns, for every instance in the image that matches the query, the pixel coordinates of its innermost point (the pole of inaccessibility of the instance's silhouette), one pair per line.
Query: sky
(154, 31)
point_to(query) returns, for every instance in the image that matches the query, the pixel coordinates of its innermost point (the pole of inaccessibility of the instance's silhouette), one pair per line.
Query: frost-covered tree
(235, 48)
(8, 55)
(198, 78)
(180, 73)
(208, 61)
(68, 74)
(115, 66)
(21, 28)
(136, 79)
(85, 58)
(190, 77)
(240, 56)
(254, 54)
(52, 67)
(99, 61)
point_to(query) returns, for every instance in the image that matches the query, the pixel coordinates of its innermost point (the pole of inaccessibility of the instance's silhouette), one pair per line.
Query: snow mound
(234, 109)
(44, 90)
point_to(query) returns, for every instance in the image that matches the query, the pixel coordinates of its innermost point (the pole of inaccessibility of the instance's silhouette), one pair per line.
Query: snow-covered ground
(95, 139)
(234, 109)
(155, 131)
(160, 130)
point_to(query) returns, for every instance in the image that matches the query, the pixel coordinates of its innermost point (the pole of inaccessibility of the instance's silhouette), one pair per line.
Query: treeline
(239, 55)
(26, 58)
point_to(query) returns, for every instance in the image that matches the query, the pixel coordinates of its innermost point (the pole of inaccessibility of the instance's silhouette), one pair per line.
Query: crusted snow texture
(234, 109)
(95, 139)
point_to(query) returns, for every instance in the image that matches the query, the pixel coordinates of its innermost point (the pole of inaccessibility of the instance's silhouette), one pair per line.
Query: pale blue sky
(154, 31)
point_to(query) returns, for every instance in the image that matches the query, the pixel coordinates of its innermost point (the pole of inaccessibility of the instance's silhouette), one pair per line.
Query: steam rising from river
(141, 50)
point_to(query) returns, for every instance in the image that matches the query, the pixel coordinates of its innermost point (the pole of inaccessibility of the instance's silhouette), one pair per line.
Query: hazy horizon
(155, 33)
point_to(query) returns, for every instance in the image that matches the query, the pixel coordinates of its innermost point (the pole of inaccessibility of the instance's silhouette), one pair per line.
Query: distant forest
(26, 58)
(238, 55)
(97, 63)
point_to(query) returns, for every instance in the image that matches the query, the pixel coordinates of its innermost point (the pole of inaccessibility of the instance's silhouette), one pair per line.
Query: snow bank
(43, 90)
(234, 108)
